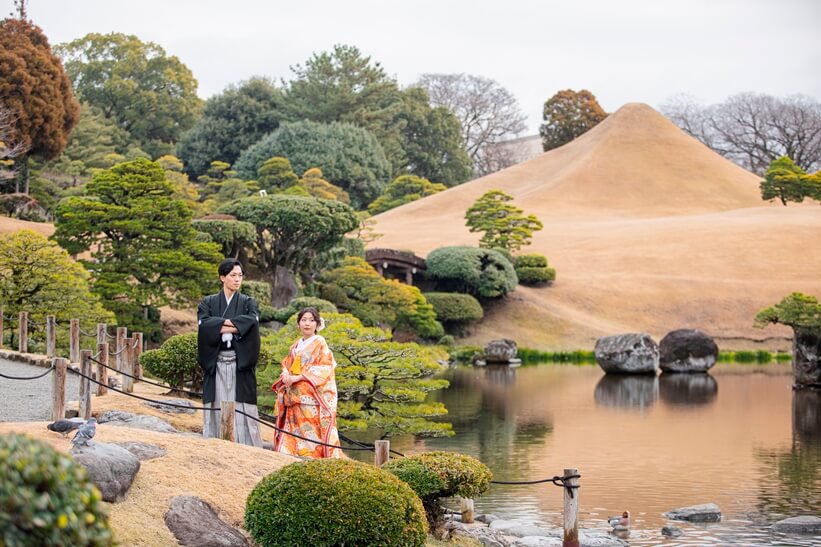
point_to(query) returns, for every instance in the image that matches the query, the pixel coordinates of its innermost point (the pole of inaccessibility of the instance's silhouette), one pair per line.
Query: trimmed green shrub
(531, 260)
(466, 354)
(435, 475)
(505, 253)
(258, 290)
(175, 362)
(532, 270)
(453, 307)
(334, 502)
(267, 313)
(536, 276)
(484, 273)
(46, 498)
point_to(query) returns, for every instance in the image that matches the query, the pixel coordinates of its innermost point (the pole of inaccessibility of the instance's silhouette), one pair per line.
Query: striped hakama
(246, 429)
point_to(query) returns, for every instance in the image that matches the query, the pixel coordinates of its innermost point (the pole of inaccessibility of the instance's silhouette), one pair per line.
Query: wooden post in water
(466, 507)
(571, 510)
(227, 420)
(74, 340)
(381, 453)
(122, 332)
(102, 372)
(51, 336)
(101, 334)
(136, 351)
(85, 384)
(24, 331)
(128, 366)
(58, 389)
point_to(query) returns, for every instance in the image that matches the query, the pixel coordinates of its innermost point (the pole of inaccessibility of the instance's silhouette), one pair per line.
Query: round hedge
(259, 291)
(324, 306)
(46, 498)
(484, 273)
(175, 361)
(536, 276)
(334, 502)
(442, 474)
(455, 307)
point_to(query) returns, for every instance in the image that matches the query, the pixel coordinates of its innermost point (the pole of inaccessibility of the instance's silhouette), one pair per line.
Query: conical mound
(648, 229)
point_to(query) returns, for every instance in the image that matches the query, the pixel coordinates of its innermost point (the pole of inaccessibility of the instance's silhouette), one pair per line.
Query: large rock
(798, 525)
(706, 512)
(194, 522)
(687, 350)
(619, 391)
(807, 357)
(634, 353)
(501, 351)
(141, 421)
(112, 468)
(143, 451)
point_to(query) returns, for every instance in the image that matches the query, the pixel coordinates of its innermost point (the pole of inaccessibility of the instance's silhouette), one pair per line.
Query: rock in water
(687, 350)
(501, 351)
(633, 353)
(706, 512)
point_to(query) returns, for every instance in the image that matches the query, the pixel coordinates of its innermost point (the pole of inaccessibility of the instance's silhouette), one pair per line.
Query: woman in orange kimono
(306, 394)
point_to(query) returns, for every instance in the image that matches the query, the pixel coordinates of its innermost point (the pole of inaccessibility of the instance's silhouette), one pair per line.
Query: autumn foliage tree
(35, 88)
(568, 114)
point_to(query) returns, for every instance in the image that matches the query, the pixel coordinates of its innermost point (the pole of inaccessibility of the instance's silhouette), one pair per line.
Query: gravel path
(29, 400)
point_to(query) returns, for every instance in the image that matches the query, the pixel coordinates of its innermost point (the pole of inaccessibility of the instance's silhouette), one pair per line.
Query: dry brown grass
(648, 230)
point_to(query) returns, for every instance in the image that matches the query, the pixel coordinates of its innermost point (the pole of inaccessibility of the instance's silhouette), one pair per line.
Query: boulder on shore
(632, 353)
(687, 350)
(501, 351)
(807, 358)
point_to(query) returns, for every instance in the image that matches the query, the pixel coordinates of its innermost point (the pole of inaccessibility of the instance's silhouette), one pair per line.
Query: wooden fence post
(74, 340)
(137, 350)
(128, 367)
(122, 332)
(227, 420)
(102, 372)
(466, 508)
(571, 510)
(51, 336)
(24, 331)
(1, 327)
(85, 384)
(58, 389)
(381, 453)
(101, 334)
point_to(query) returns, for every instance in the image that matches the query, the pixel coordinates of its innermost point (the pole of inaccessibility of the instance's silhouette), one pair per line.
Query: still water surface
(739, 437)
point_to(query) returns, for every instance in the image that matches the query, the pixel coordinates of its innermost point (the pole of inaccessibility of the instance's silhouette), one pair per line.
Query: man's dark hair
(229, 264)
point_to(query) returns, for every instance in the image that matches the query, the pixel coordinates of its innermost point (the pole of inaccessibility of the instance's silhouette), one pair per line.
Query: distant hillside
(649, 230)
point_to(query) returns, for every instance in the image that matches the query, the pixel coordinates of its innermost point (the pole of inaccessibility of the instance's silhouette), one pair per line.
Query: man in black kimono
(228, 350)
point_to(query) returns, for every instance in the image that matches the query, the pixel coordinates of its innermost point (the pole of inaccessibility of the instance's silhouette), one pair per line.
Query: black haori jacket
(211, 314)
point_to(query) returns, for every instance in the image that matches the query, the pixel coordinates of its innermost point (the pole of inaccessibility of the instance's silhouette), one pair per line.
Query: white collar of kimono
(228, 299)
(304, 342)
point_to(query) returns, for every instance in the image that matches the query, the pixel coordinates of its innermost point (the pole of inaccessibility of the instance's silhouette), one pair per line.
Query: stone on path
(173, 409)
(687, 350)
(143, 451)
(706, 512)
(798, 525)
(633, 353)
(194, 522)
(141, 421)
(110, 467)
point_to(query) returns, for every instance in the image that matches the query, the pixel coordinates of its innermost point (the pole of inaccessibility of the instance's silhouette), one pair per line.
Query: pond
(739, 437)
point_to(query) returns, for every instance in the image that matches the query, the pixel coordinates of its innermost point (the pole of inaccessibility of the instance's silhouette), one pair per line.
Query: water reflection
(627, 391)
(687, 390)
(793, 476)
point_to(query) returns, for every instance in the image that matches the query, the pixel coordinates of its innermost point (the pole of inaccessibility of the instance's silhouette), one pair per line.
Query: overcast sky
(621, 50)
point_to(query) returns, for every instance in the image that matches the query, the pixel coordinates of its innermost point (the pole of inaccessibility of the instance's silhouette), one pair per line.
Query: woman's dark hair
(313, 311)
(227, 266)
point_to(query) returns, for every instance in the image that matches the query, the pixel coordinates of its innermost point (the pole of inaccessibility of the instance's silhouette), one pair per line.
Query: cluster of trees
(754, 129)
